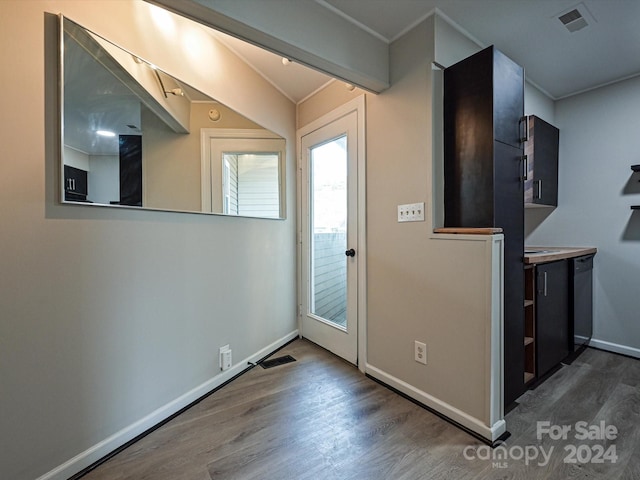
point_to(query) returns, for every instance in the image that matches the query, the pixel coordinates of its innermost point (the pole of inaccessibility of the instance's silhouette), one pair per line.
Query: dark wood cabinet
(508, 101)
(131, 170)
(483, 177)
(75, 184)
(552, 315)
(541, 150)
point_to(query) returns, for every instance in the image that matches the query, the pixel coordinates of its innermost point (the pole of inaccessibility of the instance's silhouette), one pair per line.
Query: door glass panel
(328, 220)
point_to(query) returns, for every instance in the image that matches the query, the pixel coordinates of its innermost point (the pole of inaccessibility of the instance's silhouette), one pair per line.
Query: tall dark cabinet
(131, 170)
(483, 174)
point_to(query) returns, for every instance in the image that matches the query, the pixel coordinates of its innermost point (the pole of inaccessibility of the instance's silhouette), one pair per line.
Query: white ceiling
(557, 61)
(295, 81)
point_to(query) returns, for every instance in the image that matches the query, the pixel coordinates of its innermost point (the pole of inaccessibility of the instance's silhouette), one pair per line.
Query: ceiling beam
(303, 31)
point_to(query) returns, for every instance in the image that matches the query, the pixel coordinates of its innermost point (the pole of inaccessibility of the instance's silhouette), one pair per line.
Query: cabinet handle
(525, 138)
(525, 176)
(538, 193)
(539, 189)
(545, 283)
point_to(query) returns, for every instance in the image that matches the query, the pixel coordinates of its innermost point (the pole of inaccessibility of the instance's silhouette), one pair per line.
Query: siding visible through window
(230, 184)
(258, 185)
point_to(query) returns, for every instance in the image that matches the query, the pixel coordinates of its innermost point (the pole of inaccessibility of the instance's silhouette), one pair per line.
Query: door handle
(350, 253)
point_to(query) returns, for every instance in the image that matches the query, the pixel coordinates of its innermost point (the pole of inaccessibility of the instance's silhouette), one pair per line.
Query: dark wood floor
(319, 418)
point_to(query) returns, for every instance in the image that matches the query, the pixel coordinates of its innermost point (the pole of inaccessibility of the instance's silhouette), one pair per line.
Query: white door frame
(356, 105)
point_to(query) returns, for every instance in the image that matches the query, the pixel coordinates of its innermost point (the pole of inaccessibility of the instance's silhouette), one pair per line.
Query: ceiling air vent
(573, 20)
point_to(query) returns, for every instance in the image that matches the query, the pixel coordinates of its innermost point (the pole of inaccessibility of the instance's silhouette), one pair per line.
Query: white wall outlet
(225, 358)
(420, 352)
(411, 212)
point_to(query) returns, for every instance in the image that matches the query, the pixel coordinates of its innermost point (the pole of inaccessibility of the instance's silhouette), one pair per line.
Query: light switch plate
(411, 212)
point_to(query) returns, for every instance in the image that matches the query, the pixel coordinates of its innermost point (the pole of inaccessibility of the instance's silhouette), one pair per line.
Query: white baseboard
(615, 348)
(108, 445)
(491, 433)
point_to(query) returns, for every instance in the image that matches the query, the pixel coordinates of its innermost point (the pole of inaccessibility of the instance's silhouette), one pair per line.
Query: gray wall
(107, 315)
(538, 103)
(598, 142)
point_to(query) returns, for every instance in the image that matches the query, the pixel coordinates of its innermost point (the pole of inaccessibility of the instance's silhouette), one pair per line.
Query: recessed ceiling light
(105, 133)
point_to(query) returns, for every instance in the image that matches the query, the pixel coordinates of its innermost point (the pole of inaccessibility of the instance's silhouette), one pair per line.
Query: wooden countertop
(551, 254)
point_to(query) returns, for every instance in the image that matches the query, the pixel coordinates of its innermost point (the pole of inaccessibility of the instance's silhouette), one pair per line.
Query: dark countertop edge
(556, 253)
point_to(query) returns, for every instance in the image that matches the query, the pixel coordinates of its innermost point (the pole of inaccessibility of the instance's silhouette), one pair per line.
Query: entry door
(329, 240)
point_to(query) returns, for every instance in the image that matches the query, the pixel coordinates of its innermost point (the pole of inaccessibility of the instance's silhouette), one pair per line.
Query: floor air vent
(275, 362)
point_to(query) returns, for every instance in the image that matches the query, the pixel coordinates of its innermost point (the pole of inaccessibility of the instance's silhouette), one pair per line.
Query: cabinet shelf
(529, 324)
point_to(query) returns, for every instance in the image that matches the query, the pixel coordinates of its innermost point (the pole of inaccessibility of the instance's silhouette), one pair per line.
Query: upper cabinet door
(508, 100)
(541, 186)
(483, 104)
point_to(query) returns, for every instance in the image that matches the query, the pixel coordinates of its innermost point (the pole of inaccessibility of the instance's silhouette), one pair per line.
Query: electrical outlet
(420, 352)
(225, 358)
(411, 212)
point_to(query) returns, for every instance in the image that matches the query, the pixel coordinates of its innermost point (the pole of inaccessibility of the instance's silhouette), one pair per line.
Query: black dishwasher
(581, 309)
